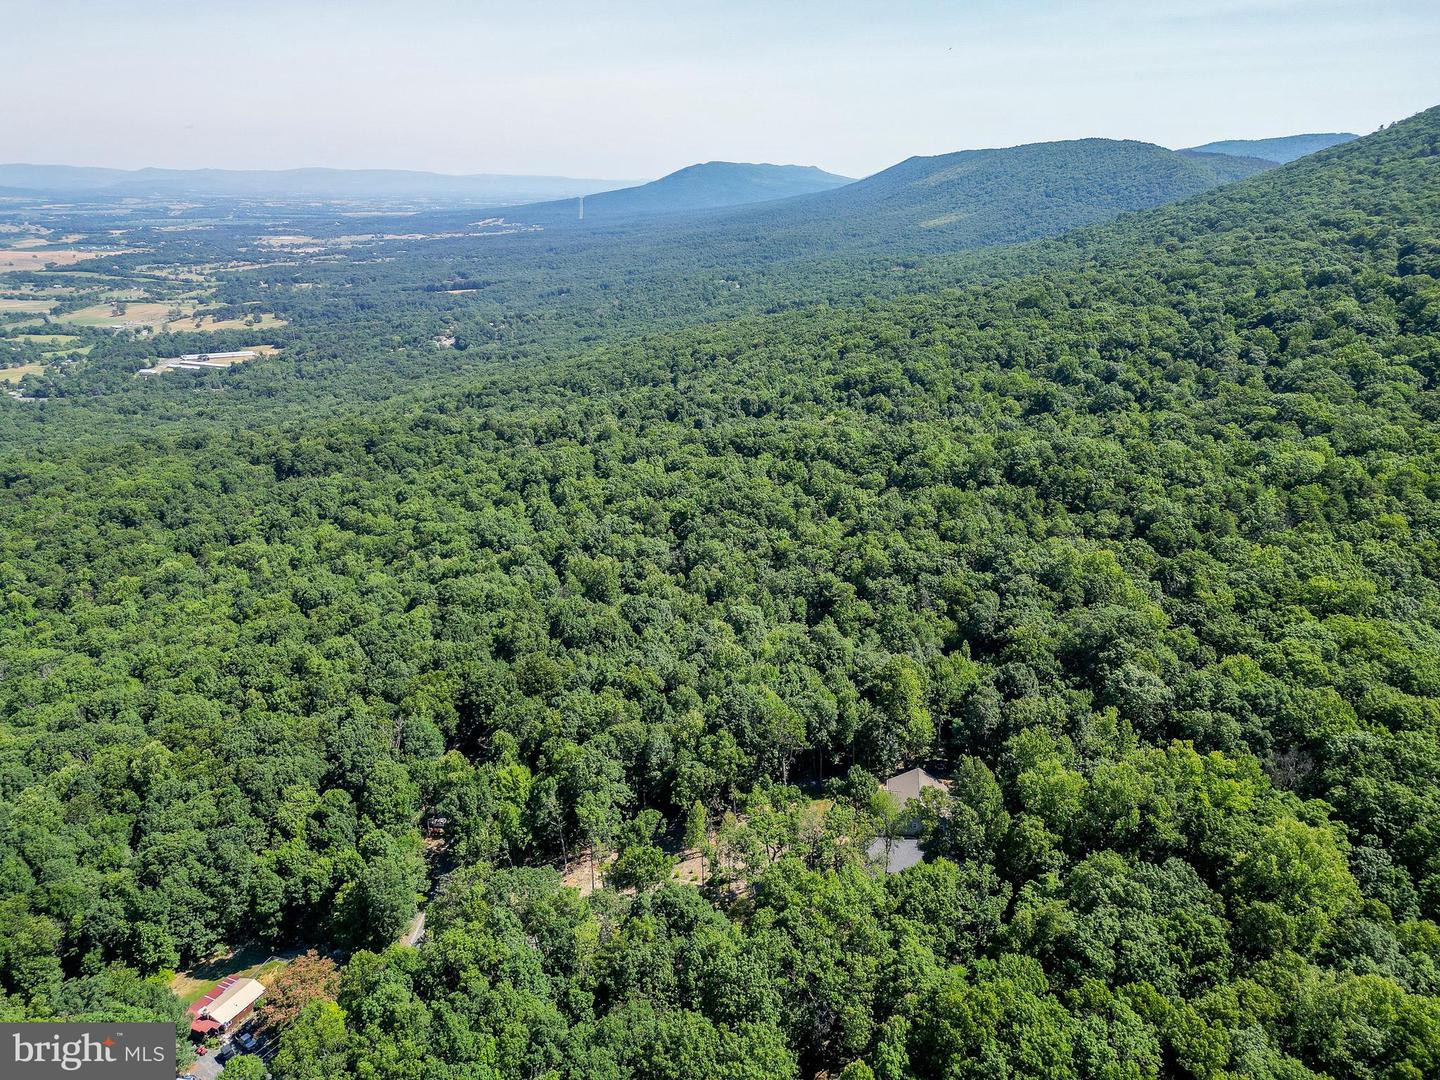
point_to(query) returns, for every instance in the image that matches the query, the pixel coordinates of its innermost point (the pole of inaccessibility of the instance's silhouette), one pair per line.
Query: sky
(632, 90)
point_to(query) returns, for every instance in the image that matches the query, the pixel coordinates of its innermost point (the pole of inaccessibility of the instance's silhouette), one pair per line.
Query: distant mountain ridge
(493, 188)
(921, 206)
(973, 198)
(1241, 165)
(1280, 150)
(708, 186)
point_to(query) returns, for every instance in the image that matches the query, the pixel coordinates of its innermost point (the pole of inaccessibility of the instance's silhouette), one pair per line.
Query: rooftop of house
(908, 785)
(238, 997)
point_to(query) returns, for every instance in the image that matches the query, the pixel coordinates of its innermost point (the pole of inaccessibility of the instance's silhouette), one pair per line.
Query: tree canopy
(1131, 535)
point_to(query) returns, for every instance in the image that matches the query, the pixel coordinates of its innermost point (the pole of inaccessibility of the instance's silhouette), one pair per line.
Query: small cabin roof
(906, 786)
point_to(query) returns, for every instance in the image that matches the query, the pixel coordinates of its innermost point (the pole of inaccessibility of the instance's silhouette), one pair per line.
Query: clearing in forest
(128, 314)
(15, 374)
(251, 962)
(206, 323)
(30, 307)
(11, 259)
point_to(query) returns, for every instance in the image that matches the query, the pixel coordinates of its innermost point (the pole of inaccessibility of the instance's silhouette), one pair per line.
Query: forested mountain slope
(979, 197)
(1286, 148)
(1233, 166)
(696, 187)
(1137, 544)
(361, 329)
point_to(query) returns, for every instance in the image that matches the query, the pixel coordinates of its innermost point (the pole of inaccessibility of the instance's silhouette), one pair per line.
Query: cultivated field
(15, 374)
(28, 307)
(11, 259)
(137, 313)
(158, 316)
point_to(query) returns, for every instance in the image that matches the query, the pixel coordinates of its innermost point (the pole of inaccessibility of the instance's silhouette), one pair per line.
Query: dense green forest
(362, 319)
(1131, 535)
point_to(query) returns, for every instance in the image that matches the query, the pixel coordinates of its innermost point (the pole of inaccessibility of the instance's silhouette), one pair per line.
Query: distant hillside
(1281, 150)
(713, 185)
(974, 198)
(1231, 166)
(494, 189)
(922, 206)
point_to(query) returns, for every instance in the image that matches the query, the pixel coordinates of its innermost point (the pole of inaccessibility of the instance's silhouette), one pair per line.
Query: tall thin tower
(582, 207)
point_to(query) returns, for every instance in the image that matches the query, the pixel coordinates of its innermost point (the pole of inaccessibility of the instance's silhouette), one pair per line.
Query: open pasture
(134, 314)
(11, 259)
(15, 374)
(25, 307)
(207, 323)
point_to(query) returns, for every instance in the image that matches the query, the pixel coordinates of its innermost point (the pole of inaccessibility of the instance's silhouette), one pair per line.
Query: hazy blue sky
(635, 89)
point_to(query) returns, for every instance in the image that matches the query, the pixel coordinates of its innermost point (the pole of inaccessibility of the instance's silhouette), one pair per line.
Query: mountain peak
(973, 198)
(707, 185)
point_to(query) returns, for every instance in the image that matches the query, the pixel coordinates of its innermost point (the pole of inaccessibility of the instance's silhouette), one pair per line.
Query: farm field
(24, 290)
(71, 353)
(158, 316)
(15, 374)
(207, 323)
(12, 259)
(28, 307)
(50, 315)
(135, 314)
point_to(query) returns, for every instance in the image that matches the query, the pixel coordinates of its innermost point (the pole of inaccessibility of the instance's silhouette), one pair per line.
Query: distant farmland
(37, 260)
